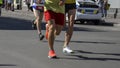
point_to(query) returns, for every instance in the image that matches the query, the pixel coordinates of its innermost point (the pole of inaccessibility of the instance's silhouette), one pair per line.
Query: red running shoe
(52, 54)
(47, 30)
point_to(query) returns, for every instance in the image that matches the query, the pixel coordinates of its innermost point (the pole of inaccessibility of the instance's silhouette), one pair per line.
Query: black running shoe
(41, 37)
(33, 25)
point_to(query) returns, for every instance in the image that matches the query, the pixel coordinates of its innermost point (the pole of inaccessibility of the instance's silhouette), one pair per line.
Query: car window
(88, 5)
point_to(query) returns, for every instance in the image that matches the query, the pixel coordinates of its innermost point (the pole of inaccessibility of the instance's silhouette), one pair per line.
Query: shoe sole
(65, 52)
(54, 57)
(42, 38)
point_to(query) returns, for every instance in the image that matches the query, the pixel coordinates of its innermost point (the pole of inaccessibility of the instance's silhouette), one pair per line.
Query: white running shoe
(67, 50)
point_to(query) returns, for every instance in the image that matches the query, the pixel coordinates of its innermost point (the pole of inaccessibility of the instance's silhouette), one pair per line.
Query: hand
(61, 3)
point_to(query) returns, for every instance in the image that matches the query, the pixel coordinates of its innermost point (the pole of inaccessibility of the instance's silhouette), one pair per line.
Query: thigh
(49, 16)
(40, 15)
(71, 14)
(60, 19)
(58, 29)
(71, 10)
(36, 13)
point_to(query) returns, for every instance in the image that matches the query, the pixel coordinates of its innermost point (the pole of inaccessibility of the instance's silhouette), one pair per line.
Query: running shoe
(47, 28)
(67, 50)
(41, 37)
(52, 54)
(33, 25)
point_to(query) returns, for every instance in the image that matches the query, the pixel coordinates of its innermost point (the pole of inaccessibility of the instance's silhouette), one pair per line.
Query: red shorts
(58, 17)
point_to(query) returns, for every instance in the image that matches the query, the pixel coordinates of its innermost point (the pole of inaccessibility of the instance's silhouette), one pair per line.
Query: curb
(117, 25)
(112, 22)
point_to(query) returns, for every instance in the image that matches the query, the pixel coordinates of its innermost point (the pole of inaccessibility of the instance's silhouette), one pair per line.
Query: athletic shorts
(58, 17)
(70, 7)
(39, 8)
(0, 5)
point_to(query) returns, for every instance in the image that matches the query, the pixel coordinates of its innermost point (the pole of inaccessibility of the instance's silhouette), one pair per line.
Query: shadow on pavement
(101, 23)
(7, 23)
(86, 52)
(93, 42)
(7, 65)
(81, 57)
(85, 29)
(107, 24)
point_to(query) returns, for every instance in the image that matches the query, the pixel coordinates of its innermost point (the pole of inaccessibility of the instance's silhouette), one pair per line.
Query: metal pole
(115, 14)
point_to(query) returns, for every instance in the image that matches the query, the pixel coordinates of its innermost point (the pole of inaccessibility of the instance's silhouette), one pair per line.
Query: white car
(87, 11)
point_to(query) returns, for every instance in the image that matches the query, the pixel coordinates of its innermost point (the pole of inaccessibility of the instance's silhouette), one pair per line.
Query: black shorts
(0, 5)
(70, 7)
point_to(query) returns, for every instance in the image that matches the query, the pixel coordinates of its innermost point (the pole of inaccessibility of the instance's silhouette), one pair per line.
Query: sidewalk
(28, 15)
(22, 14)
(110, 17)
(111, 13)
(113, 22)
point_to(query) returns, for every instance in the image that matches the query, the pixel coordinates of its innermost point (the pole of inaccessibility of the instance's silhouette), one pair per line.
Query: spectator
(9, 2)
(101, 5)
(106, 7)
(5, 4)
(28, 4)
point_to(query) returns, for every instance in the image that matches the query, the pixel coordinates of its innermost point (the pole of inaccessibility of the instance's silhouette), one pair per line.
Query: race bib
(39, 7)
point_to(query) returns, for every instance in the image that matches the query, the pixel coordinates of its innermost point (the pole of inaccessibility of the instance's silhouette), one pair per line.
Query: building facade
(114, 3)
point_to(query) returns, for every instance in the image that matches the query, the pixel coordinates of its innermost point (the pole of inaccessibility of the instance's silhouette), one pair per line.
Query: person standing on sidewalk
(28, 4)
(101, 5)
(106, 7)
(1, 3)
(38, 9)
(9, 3)
(70, 8)
(54, 11)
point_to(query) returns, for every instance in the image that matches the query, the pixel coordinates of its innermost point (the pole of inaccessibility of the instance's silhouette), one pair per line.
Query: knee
(57, 33)
(72, 22)
(51, 28)
(38, 18)
(58, 30)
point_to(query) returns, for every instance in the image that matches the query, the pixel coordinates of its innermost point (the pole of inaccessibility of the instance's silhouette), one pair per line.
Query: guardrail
(114, 13)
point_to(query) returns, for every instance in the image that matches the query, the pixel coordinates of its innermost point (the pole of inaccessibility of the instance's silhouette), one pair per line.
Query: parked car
(87, 11)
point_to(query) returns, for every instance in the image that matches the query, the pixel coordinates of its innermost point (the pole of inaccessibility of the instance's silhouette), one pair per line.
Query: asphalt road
(95, 46)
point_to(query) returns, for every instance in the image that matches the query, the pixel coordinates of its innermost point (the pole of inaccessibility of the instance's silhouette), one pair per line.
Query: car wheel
(82, 22)
(96, 22)
(75, 21)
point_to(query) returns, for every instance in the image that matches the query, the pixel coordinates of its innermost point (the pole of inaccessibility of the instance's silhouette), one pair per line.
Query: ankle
(65, 46)
(40, 33)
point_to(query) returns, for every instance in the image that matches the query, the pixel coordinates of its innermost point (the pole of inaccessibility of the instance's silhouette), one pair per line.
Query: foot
(67, 50)
(34, 25)
(52, 54)
(41, 37)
